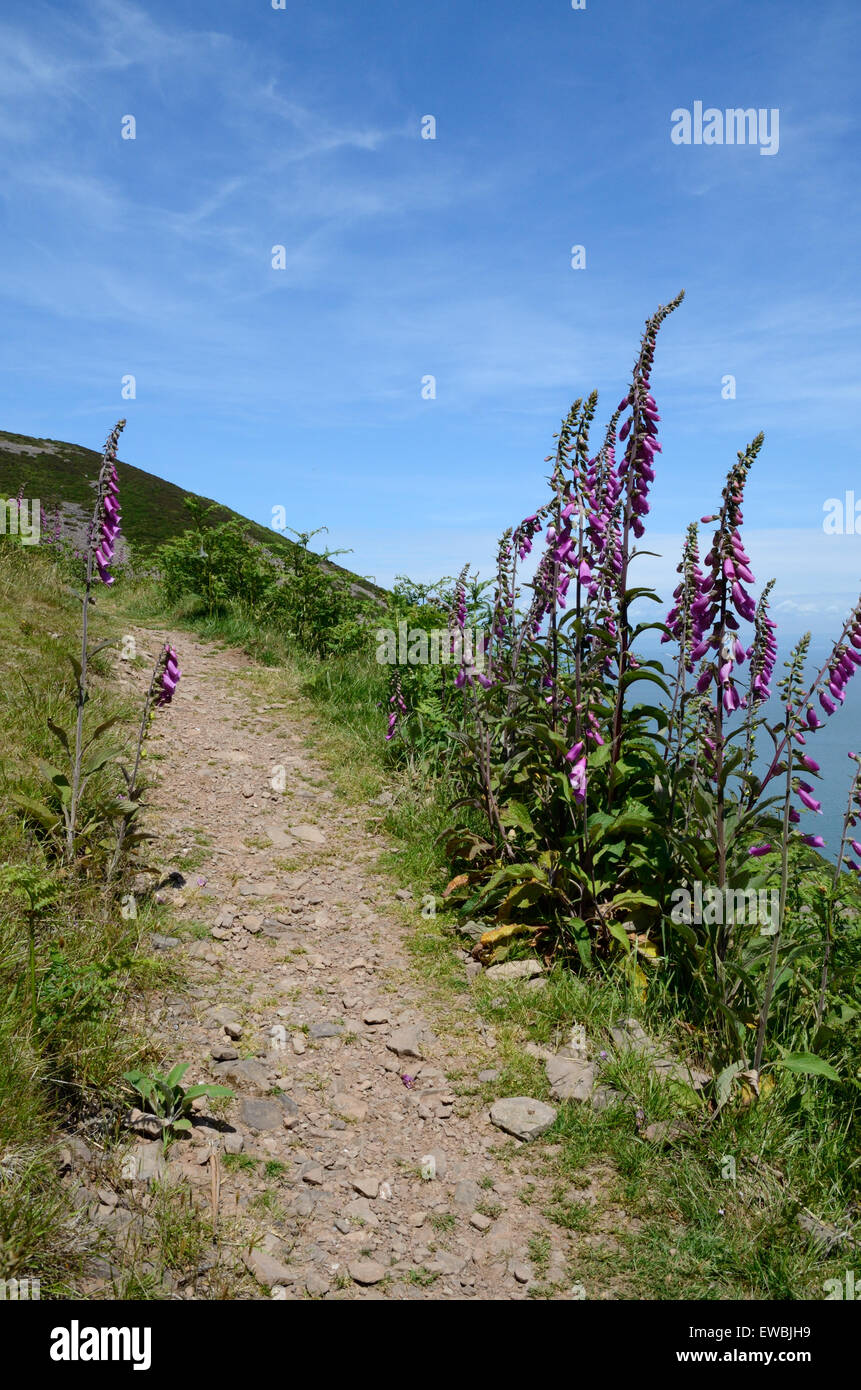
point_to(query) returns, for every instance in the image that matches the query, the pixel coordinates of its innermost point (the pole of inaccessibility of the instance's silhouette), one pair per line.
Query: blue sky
(450, 257)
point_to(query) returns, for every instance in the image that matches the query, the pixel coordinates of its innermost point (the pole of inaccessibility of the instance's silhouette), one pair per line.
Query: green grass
(67, 1066)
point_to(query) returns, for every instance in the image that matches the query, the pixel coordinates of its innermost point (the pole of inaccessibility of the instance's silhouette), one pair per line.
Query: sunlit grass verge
(61, 1055)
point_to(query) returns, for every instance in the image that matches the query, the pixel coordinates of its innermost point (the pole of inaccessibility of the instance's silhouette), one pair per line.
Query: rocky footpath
(347, 1164)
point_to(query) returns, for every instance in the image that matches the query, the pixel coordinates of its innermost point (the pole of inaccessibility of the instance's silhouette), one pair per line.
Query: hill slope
(63, 476)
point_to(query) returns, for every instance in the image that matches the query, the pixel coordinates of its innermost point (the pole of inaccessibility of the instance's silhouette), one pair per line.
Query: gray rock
(522, 1116)
(221, 1015)
(234, 1142)
(375, 1015)
(350, 1107)
(308, 834)
(366, 1186)
(325, 1030)
(570, 1079)
(233, 1030)
(360, 1210)
(223, 1053)
(266, 888)
(446, 1262)
(248, 1072)
(267, 1270)
(406, 1042)
(366, 1271)
(665, 1131)
(481, 1223)
(522, 1272)
(262, 1114)
(148, 1125)
(144, 1163)
(515, 970)
(490, 1074)
(604, 1097)
(164, 943)
(467, 1194)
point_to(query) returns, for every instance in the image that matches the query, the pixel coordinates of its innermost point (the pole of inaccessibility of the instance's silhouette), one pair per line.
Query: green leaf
(807, 1064)
(723, 1085)
(581, 935)
(174, 1076)
(516, 814)
(617, 930)
(213, 1092)
(632, 899)
(36, 810)
(98, 760)
(182, 1124)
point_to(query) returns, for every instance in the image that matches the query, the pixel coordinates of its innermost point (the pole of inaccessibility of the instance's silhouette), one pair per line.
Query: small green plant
(167, 1099)
(239, 1163)
(40, 892)
(443, 1221)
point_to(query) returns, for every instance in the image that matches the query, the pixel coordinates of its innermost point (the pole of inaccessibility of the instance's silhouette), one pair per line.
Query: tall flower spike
(397, 706)
(169, 676)
(105, 526)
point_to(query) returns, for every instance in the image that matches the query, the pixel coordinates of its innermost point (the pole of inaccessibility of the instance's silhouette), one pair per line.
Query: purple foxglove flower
(810, 802)
(814, 841)
(168, 677)
(704, 682)
(794, 817)
(827, 705)
(757, 851)
(577, 778)
(810, 763)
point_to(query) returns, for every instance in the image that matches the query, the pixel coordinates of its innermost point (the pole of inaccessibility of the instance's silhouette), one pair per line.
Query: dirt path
(298, 999)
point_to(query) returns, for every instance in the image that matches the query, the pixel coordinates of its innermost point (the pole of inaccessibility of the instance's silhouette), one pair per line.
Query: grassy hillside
(63, 475)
